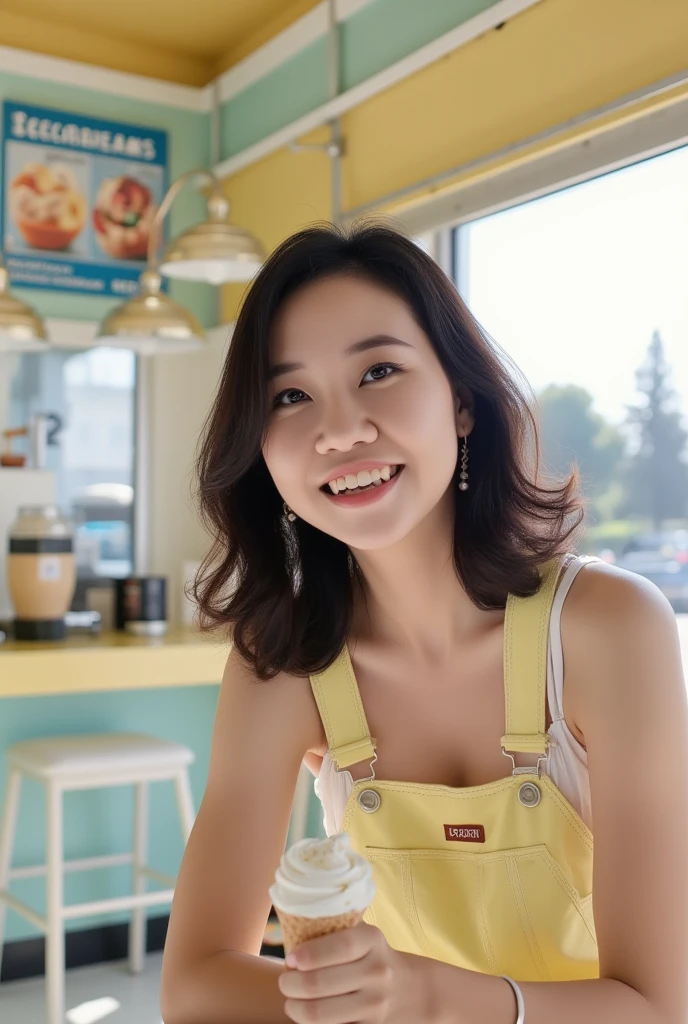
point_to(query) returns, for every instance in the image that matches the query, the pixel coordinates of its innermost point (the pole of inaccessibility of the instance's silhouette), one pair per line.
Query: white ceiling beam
(116, 83)
(494, 15)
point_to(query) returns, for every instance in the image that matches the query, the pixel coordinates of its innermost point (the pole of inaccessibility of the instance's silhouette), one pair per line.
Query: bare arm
(623, 664)
(212, 973)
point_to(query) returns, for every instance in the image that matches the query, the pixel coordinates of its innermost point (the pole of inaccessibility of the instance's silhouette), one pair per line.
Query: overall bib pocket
(452, 898)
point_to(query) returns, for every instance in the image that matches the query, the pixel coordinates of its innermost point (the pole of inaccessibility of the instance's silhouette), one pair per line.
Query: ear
(465, 420)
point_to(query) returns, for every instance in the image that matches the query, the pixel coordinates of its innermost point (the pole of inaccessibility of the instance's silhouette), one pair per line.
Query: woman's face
(359, 397)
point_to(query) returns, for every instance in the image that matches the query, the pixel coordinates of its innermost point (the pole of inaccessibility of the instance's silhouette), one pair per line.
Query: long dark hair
(285, 591)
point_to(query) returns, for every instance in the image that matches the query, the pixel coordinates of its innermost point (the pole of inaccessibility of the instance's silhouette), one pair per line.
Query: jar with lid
(41, 571)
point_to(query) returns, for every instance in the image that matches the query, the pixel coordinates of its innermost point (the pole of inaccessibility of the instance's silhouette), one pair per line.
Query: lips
(364, 495)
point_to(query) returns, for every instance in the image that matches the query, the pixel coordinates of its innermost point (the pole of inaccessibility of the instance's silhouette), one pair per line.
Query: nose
(344, 424)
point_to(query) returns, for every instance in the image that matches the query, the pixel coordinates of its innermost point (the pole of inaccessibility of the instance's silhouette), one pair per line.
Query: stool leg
(137, 925)
(7, 830)
(55, 937)
(187, 815)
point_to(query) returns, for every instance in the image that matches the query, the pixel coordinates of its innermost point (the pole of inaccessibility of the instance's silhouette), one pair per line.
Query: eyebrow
(377, 341)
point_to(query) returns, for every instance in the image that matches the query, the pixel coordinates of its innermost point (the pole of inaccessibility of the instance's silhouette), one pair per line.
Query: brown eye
(381, 370)
(292, 396)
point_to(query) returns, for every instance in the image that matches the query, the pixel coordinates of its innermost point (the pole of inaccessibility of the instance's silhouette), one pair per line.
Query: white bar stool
(90, 762)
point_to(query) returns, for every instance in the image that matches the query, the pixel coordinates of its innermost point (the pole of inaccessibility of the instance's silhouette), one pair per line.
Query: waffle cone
(296, 930)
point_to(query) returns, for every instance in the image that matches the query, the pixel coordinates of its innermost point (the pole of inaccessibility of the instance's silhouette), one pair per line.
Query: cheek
(283, 456)
(426, 420)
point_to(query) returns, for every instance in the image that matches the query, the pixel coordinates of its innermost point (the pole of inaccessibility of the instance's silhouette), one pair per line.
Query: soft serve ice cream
(321, 886)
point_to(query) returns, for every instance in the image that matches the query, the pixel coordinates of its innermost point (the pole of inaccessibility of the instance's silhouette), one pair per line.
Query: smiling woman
(308, 396)
(387, 554)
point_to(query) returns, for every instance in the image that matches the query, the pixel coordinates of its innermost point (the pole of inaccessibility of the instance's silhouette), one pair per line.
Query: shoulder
(623, 663)
(605, 602)
(619, 635)
(278, 713)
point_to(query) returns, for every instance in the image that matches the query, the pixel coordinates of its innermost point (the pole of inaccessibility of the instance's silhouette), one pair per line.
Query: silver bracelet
(519, 999)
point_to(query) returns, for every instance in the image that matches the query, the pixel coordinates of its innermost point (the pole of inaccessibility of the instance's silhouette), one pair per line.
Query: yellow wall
(277, 196)
(557, 59)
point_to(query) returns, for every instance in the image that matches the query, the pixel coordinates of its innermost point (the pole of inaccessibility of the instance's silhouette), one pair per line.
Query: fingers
(339, 948)
(356, 1006)
(334, 981)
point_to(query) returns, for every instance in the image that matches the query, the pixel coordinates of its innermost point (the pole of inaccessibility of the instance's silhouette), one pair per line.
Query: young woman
(393, 569)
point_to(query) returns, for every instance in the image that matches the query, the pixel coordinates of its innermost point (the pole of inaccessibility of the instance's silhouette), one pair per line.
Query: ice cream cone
(296, 930)
(321, 886)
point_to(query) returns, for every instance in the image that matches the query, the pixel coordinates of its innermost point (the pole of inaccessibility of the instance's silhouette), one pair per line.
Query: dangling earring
(463, 486)
(288, 514)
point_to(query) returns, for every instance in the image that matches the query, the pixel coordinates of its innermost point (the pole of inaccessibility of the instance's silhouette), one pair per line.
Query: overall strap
(339, 703)
(526, 631)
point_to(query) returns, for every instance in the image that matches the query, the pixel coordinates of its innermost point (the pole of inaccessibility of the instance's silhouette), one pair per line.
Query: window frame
(620, 145)
(71, 335)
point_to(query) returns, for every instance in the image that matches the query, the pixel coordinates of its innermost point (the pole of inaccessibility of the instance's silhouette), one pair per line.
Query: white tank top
(567, 760)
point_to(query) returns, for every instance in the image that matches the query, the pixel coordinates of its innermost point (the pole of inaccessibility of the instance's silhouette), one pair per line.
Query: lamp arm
(169, 197)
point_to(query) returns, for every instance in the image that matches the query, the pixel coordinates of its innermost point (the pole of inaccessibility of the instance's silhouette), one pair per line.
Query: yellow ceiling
(187, 41)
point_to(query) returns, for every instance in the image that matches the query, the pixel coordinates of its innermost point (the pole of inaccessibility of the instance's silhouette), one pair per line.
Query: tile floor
(23, 1002)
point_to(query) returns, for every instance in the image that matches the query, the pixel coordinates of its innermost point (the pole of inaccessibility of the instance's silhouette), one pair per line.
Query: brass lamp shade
(21, 328)
(151, 323)
(214, 251)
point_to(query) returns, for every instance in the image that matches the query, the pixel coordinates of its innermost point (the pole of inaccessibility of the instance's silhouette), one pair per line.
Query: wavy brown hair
(284, 591)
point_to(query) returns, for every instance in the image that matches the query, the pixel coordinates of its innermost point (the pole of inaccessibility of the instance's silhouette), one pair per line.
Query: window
(89, 397)
(585, 289)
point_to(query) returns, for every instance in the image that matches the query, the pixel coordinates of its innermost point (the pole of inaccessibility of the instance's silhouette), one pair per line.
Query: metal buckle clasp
(535, 769)
(341, 771)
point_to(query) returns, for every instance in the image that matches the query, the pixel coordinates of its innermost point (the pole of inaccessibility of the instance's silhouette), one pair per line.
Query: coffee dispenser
(41, 572)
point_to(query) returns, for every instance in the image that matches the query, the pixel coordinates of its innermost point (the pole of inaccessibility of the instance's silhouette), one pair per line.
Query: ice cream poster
(78, 199)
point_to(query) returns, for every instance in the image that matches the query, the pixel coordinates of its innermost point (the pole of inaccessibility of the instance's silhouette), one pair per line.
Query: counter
(86, 663)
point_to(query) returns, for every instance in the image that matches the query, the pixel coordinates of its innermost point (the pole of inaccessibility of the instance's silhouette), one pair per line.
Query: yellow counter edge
(111, 662)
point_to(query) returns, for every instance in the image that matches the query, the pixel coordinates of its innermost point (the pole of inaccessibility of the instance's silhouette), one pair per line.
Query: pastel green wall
(100, 821)
(189, 147)
(371, 40)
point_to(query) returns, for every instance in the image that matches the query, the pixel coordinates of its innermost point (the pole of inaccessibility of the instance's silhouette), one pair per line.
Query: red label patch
(464, 833)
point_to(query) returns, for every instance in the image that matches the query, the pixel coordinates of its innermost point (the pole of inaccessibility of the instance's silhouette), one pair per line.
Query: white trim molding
(649, 134)
(117, 83)
(284, 46)
(63, 333)
(267, 58)
(71, 333)
(501, 11)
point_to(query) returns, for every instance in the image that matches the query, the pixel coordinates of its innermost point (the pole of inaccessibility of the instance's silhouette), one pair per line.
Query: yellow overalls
(494, 878)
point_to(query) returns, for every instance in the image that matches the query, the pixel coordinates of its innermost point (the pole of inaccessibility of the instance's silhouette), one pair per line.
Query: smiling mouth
(374, 486)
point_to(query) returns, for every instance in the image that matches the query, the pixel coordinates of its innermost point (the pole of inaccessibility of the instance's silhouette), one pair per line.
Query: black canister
(141, 605)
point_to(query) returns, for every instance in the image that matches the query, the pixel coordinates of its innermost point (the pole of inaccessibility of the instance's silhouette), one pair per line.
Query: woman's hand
(352, 976)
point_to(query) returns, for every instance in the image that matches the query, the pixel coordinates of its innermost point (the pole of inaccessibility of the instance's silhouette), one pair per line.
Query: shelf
(85, 663)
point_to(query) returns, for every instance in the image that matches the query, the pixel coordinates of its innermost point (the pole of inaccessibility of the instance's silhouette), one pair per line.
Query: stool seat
(54, 756)
(64, 764)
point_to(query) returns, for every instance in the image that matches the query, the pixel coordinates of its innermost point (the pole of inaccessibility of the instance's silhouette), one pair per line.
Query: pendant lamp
(214, 251)
(21, 328)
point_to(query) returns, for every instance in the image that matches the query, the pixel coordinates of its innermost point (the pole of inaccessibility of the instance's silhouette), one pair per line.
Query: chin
(372, 536)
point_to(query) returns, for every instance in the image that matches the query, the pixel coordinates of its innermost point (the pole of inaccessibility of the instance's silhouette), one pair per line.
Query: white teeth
(354, 481)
